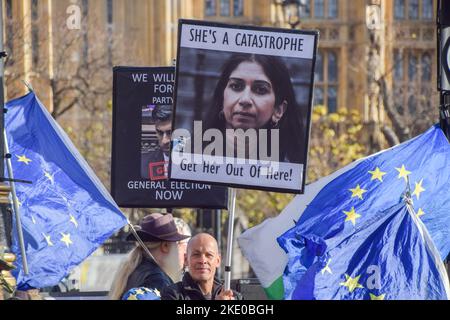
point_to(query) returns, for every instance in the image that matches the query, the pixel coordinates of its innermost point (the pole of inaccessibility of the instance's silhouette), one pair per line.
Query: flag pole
(218, 236)
(229, 253)
(428, 241)
(5, 221)
(16, 206)
(141, 243)
(5, 213)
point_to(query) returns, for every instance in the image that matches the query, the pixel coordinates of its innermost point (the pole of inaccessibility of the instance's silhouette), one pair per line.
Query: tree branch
(400, 127)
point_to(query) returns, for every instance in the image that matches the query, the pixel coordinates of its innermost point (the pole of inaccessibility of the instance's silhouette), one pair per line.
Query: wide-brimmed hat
(157, 227)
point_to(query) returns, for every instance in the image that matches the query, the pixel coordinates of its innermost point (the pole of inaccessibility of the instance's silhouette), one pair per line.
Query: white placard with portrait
(243, 101)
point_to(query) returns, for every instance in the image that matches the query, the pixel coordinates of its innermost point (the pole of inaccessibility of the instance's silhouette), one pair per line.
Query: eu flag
(66, 212)
(360, 239)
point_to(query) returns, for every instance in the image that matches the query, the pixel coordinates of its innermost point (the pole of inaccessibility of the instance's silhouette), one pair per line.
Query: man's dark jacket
(188, 289)
(148, 274)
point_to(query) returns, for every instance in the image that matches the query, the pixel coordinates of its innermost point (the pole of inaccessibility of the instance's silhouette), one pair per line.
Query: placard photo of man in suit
(155, 157)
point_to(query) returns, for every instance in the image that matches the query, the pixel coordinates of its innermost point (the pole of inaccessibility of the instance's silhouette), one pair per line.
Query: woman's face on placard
(249, 98)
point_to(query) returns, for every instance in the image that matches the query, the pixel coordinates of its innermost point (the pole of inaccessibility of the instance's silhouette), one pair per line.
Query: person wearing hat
(162, 238)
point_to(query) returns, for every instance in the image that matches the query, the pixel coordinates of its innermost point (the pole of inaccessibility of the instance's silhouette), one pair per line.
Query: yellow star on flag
(418, 189)
(420, 213)
(23, 159)
(351, 283)
(403, 173)
(327, 268)
(352, 216)
(132, 297)
(18, 202)
(374, 297)
(140, 291)
(66, 239)
(358, 192)
(49, 177)
(48, 239)
(74, 221)
(377, 174)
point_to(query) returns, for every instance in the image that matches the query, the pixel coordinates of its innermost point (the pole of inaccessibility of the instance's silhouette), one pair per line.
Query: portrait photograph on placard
(243, 101)
(142, 128)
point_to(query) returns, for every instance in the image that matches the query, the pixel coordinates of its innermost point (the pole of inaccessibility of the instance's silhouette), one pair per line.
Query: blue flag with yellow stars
(142, 293)
(66, 212)
(359, 239)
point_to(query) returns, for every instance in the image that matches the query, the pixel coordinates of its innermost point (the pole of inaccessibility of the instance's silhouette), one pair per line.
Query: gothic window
(210, 8)
(109, 11)
(333, 9)
(413, 9)
(224, 8)
(398, 66)
(412, 68)
(238, 8)
(399, 9)
(319, 9)
(427, 9)
(426, 67)
(416, 81)
(326, 80)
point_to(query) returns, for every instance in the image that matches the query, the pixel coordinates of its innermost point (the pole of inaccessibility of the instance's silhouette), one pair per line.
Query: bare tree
(82, 72)
(77, 76)
(411, 106)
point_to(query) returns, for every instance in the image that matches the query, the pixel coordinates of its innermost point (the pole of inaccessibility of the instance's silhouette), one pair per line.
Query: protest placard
(243, 101)
(142, 126)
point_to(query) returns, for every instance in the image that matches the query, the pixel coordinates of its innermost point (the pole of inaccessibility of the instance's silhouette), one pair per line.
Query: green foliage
(259, 205)
(188, 215)
(335, 141)
(5, 287)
